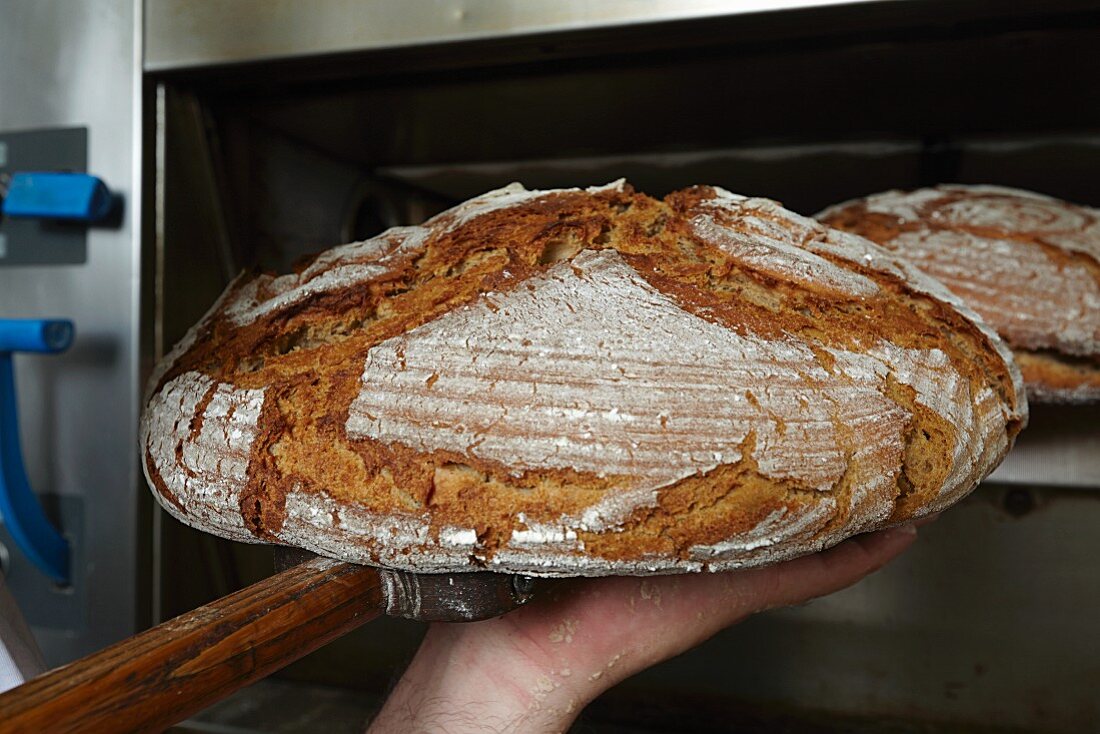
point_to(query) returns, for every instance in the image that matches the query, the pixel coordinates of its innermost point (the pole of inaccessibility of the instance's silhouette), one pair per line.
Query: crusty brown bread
(1027, 263)
(581, 382)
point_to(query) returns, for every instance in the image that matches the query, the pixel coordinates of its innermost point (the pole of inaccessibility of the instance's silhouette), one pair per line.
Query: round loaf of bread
(581, 382)
(1029, 264)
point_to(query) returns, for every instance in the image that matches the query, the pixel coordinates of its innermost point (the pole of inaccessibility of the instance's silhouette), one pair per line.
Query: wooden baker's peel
(165, 674)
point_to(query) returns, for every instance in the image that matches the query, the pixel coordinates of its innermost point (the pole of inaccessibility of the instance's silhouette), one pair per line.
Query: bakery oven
(270, 130)
(283, 131)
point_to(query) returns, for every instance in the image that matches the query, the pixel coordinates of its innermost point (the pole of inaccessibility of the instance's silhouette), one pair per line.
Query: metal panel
(34, 242)
(55, 607)
(74, 64)
(187, 33)
(1060, 447)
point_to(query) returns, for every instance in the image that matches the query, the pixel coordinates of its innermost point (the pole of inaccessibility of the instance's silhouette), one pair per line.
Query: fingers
(708, 603)
(922, 521)
(823, 573)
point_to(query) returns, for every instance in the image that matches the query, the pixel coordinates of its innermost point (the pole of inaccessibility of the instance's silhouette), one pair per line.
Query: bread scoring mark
(336, 269)
(506, 197)
(990, 210)
(978, 238)
(902, 205)
(590, 368)
(765, 246)
(393, 242)
(360, 262)
(978, 268)
(864, 255)
(512, 195)
(203, 469)
(1013, 214)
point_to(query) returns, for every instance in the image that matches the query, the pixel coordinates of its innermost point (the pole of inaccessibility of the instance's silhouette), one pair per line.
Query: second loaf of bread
(581, 382)
(1028, 263)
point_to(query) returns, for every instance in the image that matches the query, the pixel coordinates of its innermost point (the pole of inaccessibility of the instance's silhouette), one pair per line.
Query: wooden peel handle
(165, 674)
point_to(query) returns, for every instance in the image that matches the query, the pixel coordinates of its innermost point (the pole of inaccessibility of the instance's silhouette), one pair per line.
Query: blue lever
(23, 516)
(75, 197)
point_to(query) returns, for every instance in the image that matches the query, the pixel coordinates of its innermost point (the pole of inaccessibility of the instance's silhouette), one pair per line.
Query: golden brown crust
(285, 423)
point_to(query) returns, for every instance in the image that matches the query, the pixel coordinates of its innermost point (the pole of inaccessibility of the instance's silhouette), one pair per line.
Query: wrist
(483, 677)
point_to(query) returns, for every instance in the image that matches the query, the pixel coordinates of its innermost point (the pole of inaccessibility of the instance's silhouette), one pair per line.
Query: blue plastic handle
(19, 508)
(46, 195)
(44, 336)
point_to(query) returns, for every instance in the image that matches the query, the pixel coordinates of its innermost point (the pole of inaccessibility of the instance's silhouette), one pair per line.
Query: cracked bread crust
(581, 382)
(1028, 263)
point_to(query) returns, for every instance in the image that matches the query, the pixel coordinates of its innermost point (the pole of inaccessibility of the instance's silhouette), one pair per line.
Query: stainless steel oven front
(281, 128)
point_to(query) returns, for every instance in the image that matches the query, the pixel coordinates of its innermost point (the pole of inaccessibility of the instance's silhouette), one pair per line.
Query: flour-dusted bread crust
(581, 382)
(1029, 264)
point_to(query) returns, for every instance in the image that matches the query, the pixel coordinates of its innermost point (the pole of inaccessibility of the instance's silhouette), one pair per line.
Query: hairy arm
(535, 669)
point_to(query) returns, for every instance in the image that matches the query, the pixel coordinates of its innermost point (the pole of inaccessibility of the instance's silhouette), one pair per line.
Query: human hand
(535, 669)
